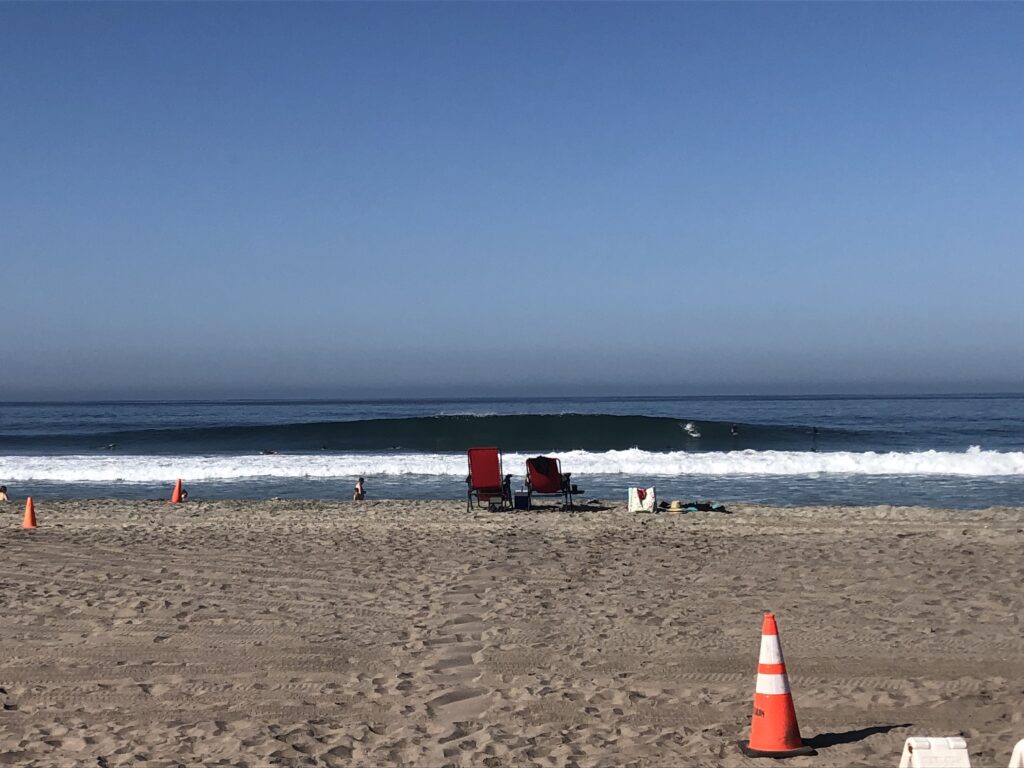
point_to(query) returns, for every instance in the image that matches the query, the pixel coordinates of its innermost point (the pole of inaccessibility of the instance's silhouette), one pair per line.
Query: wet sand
(414, 633)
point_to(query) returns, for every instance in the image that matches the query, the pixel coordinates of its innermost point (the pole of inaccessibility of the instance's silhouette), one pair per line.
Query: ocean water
(965, 452)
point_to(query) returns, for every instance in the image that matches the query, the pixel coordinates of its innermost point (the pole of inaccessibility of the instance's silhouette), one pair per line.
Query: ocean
(959, 451)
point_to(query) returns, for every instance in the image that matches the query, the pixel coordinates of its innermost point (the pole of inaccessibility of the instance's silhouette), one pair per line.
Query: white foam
(973, 462)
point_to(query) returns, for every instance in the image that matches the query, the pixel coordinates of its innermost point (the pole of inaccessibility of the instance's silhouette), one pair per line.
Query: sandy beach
(415, 633)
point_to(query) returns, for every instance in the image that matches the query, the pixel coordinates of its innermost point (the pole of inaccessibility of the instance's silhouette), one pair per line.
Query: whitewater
(951, 451)
(973, 462)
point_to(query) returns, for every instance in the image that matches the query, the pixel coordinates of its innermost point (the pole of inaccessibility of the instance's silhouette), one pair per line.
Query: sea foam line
(973, 462)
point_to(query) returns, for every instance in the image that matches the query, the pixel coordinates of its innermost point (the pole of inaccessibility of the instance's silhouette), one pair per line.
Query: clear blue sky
(327, 200)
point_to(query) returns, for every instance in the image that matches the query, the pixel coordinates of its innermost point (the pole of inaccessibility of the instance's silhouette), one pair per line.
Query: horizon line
(995, 394)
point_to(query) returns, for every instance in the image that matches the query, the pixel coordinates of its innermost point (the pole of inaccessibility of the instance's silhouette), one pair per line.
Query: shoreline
(413, 633)
(803, 493)
(74, 512)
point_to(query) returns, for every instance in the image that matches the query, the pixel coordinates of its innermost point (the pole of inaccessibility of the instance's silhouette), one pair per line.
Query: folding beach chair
(544, 477)
(485, 480)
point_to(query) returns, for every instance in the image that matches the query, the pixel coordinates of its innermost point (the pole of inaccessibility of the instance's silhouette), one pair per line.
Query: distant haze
(357, 200)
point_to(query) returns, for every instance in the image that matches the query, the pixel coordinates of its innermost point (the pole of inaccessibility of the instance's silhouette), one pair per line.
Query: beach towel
(706, 506)
(642, 500)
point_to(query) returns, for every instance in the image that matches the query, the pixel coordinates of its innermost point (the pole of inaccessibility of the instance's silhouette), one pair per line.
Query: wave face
(973, 462)
(587, 432)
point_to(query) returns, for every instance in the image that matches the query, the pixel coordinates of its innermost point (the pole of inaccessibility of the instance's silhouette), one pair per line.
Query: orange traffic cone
(30, 514)
(176, 496)
(773, 728)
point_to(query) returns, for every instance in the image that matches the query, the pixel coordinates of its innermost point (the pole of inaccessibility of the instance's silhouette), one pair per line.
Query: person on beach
(359, 494)
(3, 493)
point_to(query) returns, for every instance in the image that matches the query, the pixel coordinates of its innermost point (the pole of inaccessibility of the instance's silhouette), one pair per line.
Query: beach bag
(642, 499)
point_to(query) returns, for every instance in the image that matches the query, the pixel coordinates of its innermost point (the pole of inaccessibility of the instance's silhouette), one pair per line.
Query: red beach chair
(485, 480)
(544, 477)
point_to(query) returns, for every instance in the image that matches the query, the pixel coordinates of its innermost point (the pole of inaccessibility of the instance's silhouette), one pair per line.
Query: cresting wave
(523, 432)
(973, 462)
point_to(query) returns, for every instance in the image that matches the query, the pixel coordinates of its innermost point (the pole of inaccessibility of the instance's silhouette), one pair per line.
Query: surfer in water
(359, 493)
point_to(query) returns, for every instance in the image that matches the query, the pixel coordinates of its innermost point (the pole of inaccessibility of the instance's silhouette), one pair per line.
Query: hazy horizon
(899, 391)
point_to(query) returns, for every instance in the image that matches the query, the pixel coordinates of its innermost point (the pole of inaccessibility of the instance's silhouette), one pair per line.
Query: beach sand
(415, 633)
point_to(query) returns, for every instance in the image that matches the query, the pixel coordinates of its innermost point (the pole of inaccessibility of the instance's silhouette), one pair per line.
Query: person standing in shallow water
(359, 494)
(3, 493)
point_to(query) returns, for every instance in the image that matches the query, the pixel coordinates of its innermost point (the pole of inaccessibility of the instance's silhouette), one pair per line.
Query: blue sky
(332, 200)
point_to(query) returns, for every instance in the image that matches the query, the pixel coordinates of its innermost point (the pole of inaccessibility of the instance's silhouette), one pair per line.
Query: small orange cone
(773, 728)
(176, 496)
(30, 515)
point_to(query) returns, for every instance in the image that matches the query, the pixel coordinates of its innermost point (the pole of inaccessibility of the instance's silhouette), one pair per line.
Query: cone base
(801, 750)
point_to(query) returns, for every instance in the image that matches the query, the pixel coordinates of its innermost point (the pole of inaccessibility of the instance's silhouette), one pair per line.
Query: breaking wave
(451, 433)
(973, 462)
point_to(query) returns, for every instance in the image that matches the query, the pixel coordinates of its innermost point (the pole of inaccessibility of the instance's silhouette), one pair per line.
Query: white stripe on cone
(771, 650)
(772, 684)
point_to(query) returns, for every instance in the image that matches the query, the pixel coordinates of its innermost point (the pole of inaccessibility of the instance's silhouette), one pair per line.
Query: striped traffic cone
(773, 728)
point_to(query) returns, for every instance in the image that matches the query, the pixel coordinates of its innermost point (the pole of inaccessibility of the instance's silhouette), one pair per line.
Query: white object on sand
(1017, 758)
(642, 499)
(932, 752)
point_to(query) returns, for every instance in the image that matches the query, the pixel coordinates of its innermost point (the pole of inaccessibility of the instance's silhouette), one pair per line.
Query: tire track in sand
(457, 650)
